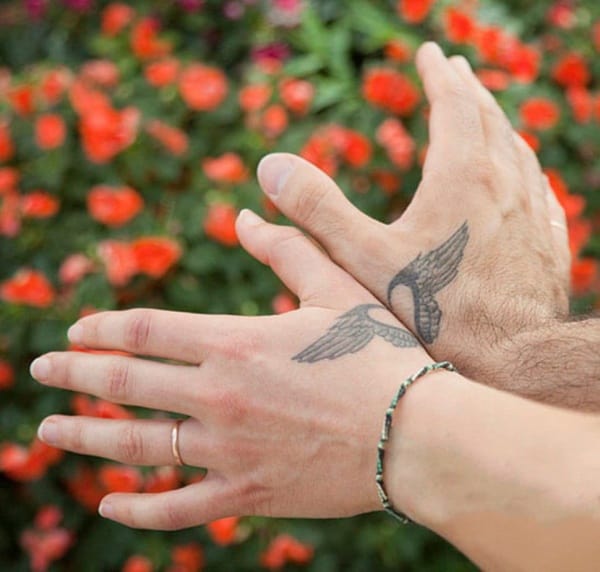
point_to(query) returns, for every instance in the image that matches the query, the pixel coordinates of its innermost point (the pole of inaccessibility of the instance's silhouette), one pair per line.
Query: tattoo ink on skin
(426, 275)
(351, 333)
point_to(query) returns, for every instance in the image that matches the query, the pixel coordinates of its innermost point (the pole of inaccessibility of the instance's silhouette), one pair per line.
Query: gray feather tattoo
(426, 275)
(351, 333)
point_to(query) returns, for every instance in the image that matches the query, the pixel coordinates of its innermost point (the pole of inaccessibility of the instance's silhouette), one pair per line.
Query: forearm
(511, 483)
(557, 364)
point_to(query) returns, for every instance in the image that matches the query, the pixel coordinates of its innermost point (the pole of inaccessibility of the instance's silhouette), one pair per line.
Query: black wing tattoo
(351, 333)
(426, 275)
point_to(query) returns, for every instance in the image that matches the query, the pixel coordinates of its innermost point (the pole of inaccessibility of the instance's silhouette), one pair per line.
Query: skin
(504, 316)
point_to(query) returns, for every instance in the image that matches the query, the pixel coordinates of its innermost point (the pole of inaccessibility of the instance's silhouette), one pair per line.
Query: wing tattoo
(426, 275)
(351, 333)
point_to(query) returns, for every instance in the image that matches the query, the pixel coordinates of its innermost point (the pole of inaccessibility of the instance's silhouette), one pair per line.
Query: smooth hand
(284, 412)
(480, 255)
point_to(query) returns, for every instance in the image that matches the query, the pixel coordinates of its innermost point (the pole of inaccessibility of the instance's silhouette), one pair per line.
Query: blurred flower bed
(129, 136)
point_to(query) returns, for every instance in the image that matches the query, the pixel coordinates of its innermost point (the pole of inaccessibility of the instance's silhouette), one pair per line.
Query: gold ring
(558, 225)
(175, 442)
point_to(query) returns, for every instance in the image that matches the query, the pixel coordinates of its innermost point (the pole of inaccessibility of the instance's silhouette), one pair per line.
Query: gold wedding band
(558, 225)
(175, 442)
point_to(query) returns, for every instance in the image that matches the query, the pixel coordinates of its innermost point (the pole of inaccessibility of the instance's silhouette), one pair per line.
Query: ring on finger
(175, 442)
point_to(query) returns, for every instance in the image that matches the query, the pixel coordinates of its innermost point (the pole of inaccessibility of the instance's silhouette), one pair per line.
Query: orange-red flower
(202, 88)
(583, 275)
(531, 140)
(119, 261)
(162, 479)
(283, 549)
(219, 224)
(50, 131)
(571, 70)
(187, 558)
(390, 90)
(145, 42)
(398, 51)
(28, 287)
(162, 72)
(28, 463)
(115, 17)
(274, 120)
(39, 204)
(9, 179)
(120, 478)
(85, 99)
(155, 255)
(85, 489)
(460, 27)
(7, 375)
(297, 94)
(581, 103)
(54, 84)
(228, 168)
(494, 80)
(21, 99)
(539, 113)
(171, 138)
(521, 61)
(7, 149)
(83, 405)
(114, 206)
(254, 97)
(490, 41)
(354, 148)
(414, 11)
(10, 213)
(103, 73)
(398, 143)
(388, 180)
(138, 563)
(223, 531)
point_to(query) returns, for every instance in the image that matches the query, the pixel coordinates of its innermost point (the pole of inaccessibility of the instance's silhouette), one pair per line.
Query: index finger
(160, 333)
(455, 128)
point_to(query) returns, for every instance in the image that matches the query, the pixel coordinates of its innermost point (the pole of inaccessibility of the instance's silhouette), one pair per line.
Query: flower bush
(129, 135)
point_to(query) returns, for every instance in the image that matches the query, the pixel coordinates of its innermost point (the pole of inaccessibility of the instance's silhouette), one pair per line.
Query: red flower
(283, 549)
(10, 221)
(320, 152)
(284, 302)
(48, 517)
(28, 464)
(154, 255)
(582, 104)
(145, 42)
(171, 138)
(494, 80)
(162, 73)
(398, 51)
(74, 268)
(28, 287)
(39, 204)
(54, 84)
(138, 563)
(83, 405)
(228, 168)
(583, 275)
(7, 149)
(162, 479)
(106, 132)
(398, 143)
(85, 489)
(571, 70)
(187, 558)
(539, 113)
(120, 479)
(119, 261)
(46, 542)
(531, 140)
(9, 178)
(389, 181)
(50, 131)
(203, 88)
(103, 73)
(84, 99)
(414, 11)
(21, 99)
(114, 206)
(390, 90)
(459, 26)
(219, 224)
(490, 41)
(115, 17)
(274, 120)
(254, 97)
(522, 62)
(297, 94)
(573, 205)
(223, 531)
(355, 149)
(7, 375)
(561, 15)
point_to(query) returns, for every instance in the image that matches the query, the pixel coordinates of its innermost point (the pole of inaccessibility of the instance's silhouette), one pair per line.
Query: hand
(285, 411)
(481, 253)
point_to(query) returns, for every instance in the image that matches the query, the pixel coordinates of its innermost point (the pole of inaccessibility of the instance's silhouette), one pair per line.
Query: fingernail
(40, 368)
(75, 334)
(106, 509)
(249, 218)
(48, 432)
(272, 171)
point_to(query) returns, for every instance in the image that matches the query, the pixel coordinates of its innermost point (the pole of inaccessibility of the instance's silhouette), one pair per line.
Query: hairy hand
(285, 411)
(481, 253)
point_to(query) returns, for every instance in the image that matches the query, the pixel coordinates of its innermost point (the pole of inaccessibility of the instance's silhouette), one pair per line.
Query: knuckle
(131, 446)
(230, 406)
(76, 435)
(241, 346)
(308, 203)
(119, 381)
(278, 252)
(175, 516)
(137, 330)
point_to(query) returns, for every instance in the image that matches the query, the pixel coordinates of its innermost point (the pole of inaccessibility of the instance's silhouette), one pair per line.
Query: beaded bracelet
(385, 435)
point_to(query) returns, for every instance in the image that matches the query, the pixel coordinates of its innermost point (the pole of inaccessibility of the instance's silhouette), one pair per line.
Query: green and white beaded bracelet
(385, 435)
